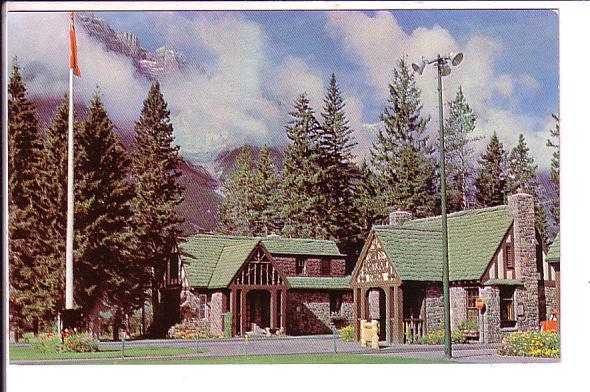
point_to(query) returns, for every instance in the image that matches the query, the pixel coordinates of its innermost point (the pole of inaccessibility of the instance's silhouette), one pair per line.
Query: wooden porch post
(363, 304)
(243, 311)
(398, 322)
(355, 300)
(284, 310)
(387, 290)
(233, 309)
(273, 309)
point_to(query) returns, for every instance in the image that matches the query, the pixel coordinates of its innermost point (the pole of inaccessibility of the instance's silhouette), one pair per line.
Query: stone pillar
(491, 316)
(434, 304)
(458, 297)
(398, 217)
(522, 208)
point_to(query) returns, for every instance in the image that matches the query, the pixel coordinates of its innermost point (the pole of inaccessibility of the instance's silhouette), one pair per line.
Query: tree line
(321, 192)
(125, 223)
(126, 227)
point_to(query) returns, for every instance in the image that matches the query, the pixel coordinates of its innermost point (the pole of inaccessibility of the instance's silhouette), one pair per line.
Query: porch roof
(211, 260)
(474, 236)
(553, 256)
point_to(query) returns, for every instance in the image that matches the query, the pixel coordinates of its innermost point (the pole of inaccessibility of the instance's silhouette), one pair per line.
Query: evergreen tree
(267, 196)
(459, 127)
(401, 156)
(26, 284)
(237, 213)
(336, 168)
(554, 176)
(106, 271)
(155, 163)
(490, 181)
(522, 175)
(301, 210)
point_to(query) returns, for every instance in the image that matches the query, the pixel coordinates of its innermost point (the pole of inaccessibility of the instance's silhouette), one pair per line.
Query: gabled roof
(474, 236)
(553, 256)
(415, 253)
(212, 260)
(230, 261)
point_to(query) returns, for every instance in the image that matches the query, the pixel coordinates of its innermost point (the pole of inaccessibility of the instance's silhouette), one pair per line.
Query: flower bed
(347, 333)
(531, 344)
(78, 343)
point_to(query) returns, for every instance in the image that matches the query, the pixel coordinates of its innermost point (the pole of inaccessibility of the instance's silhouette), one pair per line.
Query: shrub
(79, 343)
(438, 337)
(531, 344)
(468, 326)
(347, 333)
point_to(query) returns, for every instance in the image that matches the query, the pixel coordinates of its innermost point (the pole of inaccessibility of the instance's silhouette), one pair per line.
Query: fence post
(334, 337)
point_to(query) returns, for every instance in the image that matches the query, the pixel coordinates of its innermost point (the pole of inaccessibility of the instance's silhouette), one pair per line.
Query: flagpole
(70, 213)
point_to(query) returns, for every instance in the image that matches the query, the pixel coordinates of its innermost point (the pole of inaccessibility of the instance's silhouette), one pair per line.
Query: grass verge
(28, 353)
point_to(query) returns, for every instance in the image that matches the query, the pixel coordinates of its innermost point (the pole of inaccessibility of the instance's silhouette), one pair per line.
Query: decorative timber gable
(259, 271)
(374, 266)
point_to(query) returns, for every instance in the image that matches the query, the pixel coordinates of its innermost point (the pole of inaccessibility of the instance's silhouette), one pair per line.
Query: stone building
(554, 259)
(266, 285)
(494, 254)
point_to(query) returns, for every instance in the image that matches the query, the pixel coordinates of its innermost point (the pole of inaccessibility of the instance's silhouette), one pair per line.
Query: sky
(257, 62)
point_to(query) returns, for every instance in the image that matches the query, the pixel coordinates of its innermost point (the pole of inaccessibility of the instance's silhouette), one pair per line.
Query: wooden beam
(243, 317)
(284, 310)
(273, 309)
(388, 314)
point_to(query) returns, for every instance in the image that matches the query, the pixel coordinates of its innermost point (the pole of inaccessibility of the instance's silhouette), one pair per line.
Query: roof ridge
(259, 238)
(394, 227)
(461, 213)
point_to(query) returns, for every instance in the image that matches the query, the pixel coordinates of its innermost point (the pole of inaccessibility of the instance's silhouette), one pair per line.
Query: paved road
(469, 353)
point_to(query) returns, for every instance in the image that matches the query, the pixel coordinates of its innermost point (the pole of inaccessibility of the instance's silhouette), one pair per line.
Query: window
(202, 306)
(300, 267)
(509, 256)
(472, 311)
(325, 267)
(507, 317)
(335, 302)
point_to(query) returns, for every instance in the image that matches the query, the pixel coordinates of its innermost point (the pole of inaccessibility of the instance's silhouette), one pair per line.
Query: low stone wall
(189, 327)
(308, 312)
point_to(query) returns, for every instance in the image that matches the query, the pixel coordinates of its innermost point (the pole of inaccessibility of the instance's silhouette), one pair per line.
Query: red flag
(73, 48)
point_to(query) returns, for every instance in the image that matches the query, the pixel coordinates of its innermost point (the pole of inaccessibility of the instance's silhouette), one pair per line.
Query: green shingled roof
(211, 260)
(474, 236)
(553, 256)
(503, 282)
(326, 283)
(415, 253)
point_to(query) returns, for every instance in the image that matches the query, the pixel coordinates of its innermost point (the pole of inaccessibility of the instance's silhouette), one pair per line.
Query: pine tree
(401, 156)
(301, 210)
(490, 181)
(155, 163)
(237, 213)
(335, 138)
(24, 235)
(459, 127)
(106, 270)
(522, 175)
(554, 176)
(267, 196)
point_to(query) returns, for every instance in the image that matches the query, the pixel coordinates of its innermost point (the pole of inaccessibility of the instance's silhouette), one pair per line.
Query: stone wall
(312, 265)
(458, 297)
(308, 311)
(434, 305)
(373, 302)
(216, 313)
(189, 328)
(550, 300)
(521, 206)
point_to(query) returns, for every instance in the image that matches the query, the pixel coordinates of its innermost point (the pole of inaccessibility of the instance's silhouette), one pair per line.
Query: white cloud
(377, 42)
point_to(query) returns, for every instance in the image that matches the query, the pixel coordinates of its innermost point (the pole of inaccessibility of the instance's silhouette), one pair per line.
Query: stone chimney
(398, 217)
(522, 207)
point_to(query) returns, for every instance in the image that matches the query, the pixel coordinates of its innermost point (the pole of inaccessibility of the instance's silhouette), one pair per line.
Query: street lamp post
(443, 69)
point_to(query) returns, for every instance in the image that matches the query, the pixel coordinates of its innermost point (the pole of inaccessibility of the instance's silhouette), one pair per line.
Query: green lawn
(280, 359)
(29, 353)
